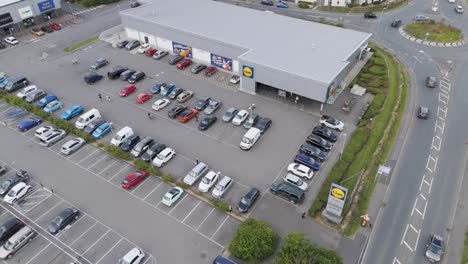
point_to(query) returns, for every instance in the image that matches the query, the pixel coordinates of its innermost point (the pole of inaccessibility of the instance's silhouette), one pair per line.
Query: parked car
(134, 256)
(157, 87)
(434, 248)
(313, 152)
(37, 32)
(209, 71)
(240, 117)
(176, 110)
(9, 228)
(53, 106)
(127, 90)
(92, 77)
(115, 72)
(150, 52)
(222, 187)
(172, 196)
(143, 97)
(72, 145)
(47, 99)
(229, 114)
(296, 181)
(143, 48)
(55, 26)
(17, 192)
(307, 161)
(235, 79)
(206, 122)
(175, 93)
(267, 2)
(182, 64)
(47, 29)
(99, 64)
(9, 183)
(331, 122)
(159, 54)
(28, 123)
(133, 179)
(152, 151)
(202, 103)
(63, 219)
(129, 142)
(212, 107)
(251, 121)
(396, 23)
(198, 68)
(3, 169)
(459, 9)
(160, 104)
(121, 136)
(248, 200)
(141, 147)
(187, 115)
(319, 142)
(198, 171)
(16, 242)
(26, 91)
(122, 44)
(134, 4)
(421, 18)
(164, 157)
(184, 96)
(71, 112)
(263, 124)
(167, 89)
(282, 5)
(42, 131)
(15, 83)
(174, 59)
(2, 46)
(300, 170)
(132, 44)
(431, 81)
(370, 15)
(89, 128)
(11, 40)
(325, 133)
(124, 76)
(208, 181)
(423, 112)
(52, 136)
(137, 76)
(287, 191)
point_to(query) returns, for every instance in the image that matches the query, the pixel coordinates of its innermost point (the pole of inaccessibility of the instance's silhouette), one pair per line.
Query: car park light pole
(251, 108)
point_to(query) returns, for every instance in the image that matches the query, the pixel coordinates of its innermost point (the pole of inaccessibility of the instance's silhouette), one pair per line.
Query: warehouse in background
(269, 51)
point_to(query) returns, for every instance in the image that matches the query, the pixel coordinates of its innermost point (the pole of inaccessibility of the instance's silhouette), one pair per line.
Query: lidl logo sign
(337, 193)
(248, 71)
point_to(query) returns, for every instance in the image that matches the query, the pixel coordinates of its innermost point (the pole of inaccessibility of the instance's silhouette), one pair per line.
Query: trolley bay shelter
(290, 55)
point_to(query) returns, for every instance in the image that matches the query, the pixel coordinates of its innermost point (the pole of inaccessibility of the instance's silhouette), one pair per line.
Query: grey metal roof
(308, 49)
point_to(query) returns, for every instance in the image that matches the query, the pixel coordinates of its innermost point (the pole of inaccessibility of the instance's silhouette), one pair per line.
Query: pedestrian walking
(296, 100)
(230, 209)
(303, 215)
(196, 117)
(100, 97)
(108, 98)
(196, 161)
(370, 225)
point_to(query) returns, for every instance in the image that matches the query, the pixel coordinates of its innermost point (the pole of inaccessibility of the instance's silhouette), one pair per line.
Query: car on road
(209, 71)
(134, 256)
(248, 200)
(35, 95)
(164, 157)
(396, 23)
(157, 87)
(141, 147)
(9, 183)
(150, 52)
(160, 104)
(282, 5)
(133, 179)
(176, 110)
(184, 96)
(99, 64)
(143, 48)
(9, 228)
(11, 40)
(434, 248)
(62, 220)
(152, 151)
(115, 72)
(143, 97)
(127, 90)
(423, 112)
(206, 122)
(369, 15)
(132, 44)
(229, 114)
(174, 59)
(296, 181)
(51, 137)
(121, 44)
(267, 2)
(28, 123)
(159, 54)
(137, 76)
(15, 113)
(331, 122)
(202, 103)
(92, 77)
(55, 26)
(72, 145)
(307, 161)
(459, 9)
(235, 79)
(175, 93)
(183, 64)
(53, 106)
(431, 81)
(208, 181)
(167, 89)
(47, 99)
(300, 170)
(212, 107)
(421, 18)
(198, 68)
(319, 142)
(26, 91)
(313, 152)
(287, 191)
(172, 196)
(251, 121)
(451, 1)
(187, 115)
(89, 128)
(130, 142)
(71, 112)
(263, 124)
(325, 133)
(240, 117)
(17, 192)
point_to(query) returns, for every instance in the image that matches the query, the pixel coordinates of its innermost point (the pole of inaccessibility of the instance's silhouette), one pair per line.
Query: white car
(293, 179)
(459, 9)
(160, 104)
(143, 48)
(332, 123)
(27, 90)
(72, 145)
(208, 181)
(240, 117)
(163, 157)
(172, 196)
(11, 40)
(51, 137)
(451, 1)
(42, 131)
(17, 192)
(235, 79)
(134, 256)
(300, 170)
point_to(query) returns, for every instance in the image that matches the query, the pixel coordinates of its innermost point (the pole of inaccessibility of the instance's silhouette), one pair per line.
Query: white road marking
(92, 245)
(179, 202)
(403, 241)
(110, 250)
(52, 208)
(432, 160)
(99, 160)
(115, 161)
(88, 156)
(95, 223)
(441, 126)
(120, 171)
(417, 210)
(219, 227)
(193, 209)
(443, 98)
(422, 196)
(445, 84)
(396, 261)
(205, 219)
(37, 254)
(152, 191)
(427, 183)
(442, 110)
(436, 143)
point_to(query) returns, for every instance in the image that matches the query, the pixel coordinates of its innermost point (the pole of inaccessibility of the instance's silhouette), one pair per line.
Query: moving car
(229, 114)
(313, 152)
(47, 99)
(172, 196)
(122, 44)
(63, 219)
(459, 9)
(207, 122)
(235, 79)
(248, 200)
(89, 128)
(331, 122)
(9, 228)
(159, 54)
(129, 142)
(251, 121)
(396, 23)
(72, 145)
(160, 104)
(175, 93)
(325, 133)
(71, 112)
(137, 76)
(17, 192)
(421, 18)
(176, 110)
(267, 2)
(132, 44)
(92, 77)
(319, 142)
(99, 63)
(202, 103)
(141, 147)
(143, 97)
(134, 256)
(307, 161)
(127, 90)
(152, 151)
(11, 40)
(296, 181)
(163, 157)
(28, 123)
(369, 15)
(115, 72)
(9, 183)
(167, 89)
(423, 112)
(300, 170)
(174, 59)
(431, 81)
(184, 96)
(212, 107)
(434, 248)
(198, 68)
(143, 48)
(133, 179)
(240, 117)
(263, 124)
(183, 64)
(26, 91)
(209, 71)
(51, 137)
(53, 106)
(282, 5)
(187, 115)
(208, 181)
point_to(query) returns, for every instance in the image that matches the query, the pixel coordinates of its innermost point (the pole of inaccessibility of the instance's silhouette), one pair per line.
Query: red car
(127, 90)
(210, 70)
(183, 64)
(143, 97)
(187, 115)
(150, 52)
(133, 179)
(55, 26)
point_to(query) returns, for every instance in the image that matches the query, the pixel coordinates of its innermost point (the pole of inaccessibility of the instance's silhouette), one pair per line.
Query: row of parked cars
(41, 31)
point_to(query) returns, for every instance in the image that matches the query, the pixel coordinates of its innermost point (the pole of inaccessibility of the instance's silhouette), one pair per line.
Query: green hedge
(117, 152)
(89, 3)
(303, 5)
(375, 106)
(220, 205)
(81, 44)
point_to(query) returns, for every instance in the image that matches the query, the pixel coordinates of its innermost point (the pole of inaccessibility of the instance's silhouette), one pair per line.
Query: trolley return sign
(336, 199)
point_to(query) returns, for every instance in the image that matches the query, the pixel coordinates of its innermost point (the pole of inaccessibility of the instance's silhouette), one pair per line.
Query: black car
(122, 44)
(207, 122)
(175, 93)
(396, 23)
(176, 110)
(325, 133)
(66, 217)
(92, 77)
(267, 2)
(263, 124)
(9, 228)
(137, 76)
(132, 44)
(3, 169)
(248, 200)
(99, 63)
(319, 142)
(93, 125)
(130, 142)
(115, 72)
(152, 151)
(313, 152)
(198, 68)
(202, 103)
(47, 29)
(174, 59)
(370, 15)
(9, 183)
(134, 4)
(423, 112)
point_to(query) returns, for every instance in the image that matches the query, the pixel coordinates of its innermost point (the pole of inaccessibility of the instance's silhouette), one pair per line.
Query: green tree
(253, 241)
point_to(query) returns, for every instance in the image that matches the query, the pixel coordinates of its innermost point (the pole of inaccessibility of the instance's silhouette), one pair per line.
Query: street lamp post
(70, 8)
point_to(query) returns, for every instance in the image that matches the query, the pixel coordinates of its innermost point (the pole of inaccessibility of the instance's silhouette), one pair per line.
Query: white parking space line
(141, 183)
(110, 250)
(52, 208)
(120, 171)
(92, 245)
(219, 227)
(87, 156)
(152, 191)
(39, 202)
(76, 152)
(205, 218)
(179, 202)
(396, 261)
(110, 165)
(147, 259)
(87, 230)
(99, 160)
(193, 209)
(37, 254)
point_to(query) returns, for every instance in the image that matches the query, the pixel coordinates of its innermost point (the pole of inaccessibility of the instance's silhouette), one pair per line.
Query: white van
(250, 137)
(123, 134)
(87, 118)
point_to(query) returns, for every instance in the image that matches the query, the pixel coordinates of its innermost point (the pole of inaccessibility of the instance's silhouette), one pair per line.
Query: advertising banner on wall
(336, 199)
(247, 71)
(182, 49)
(5, 19)
(25, 12)
(330, 90)
(221, 62)
(45, 6)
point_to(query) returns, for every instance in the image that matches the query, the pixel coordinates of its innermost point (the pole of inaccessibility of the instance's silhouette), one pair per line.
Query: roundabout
(432, 33)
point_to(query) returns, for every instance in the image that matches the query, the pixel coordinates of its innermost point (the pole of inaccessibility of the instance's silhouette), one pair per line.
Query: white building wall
(151, 38)
(201, 55)
(235, 66)
(164, 44)
(131, 33)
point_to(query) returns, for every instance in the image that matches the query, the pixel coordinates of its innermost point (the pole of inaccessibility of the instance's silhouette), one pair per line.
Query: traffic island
(432, 33)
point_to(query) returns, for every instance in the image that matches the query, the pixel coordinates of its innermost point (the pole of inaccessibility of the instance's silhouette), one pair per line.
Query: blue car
(157, 87)
(166, 90)
(47, 99)
(102, 130)
(28, 123)
(71, 112)
(307, 161)
(282, 5)
(4, 80)
(53, 106)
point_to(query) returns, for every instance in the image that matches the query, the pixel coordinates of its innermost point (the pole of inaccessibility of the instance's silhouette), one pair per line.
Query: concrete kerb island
(432, 43)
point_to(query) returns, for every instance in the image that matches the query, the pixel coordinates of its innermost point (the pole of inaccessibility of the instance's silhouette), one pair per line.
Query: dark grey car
(175, 59)
(431, 81)
(132, 44)
(198, 68)
(66, 217)
(93, 125)
(99, 63)
(212, 107)
(35, 96)
(9, 183)
(248, 200)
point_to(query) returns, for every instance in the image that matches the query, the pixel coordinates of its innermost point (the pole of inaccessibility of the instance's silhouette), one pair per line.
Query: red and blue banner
(182, 49)
(221, 62)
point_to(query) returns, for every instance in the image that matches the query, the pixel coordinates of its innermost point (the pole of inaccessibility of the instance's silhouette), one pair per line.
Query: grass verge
(438, 31)
(464, 258)
(80, 44)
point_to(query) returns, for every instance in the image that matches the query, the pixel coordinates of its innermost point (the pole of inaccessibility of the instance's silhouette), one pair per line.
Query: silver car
(72, 145)
(52, 136)
(212, 107)
(159, 54)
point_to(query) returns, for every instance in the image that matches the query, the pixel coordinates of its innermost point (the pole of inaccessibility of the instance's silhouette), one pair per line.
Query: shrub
(117, 152)
(374, 107)
(152, 170)
(365, 76)
(182, 185)
(141, 164)
(377, 83)
(253, 241)
(166, 177)
(101, 145)
(377, 60)
(303, 5)
(376, 70)
(89, 3)
(220, 205)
